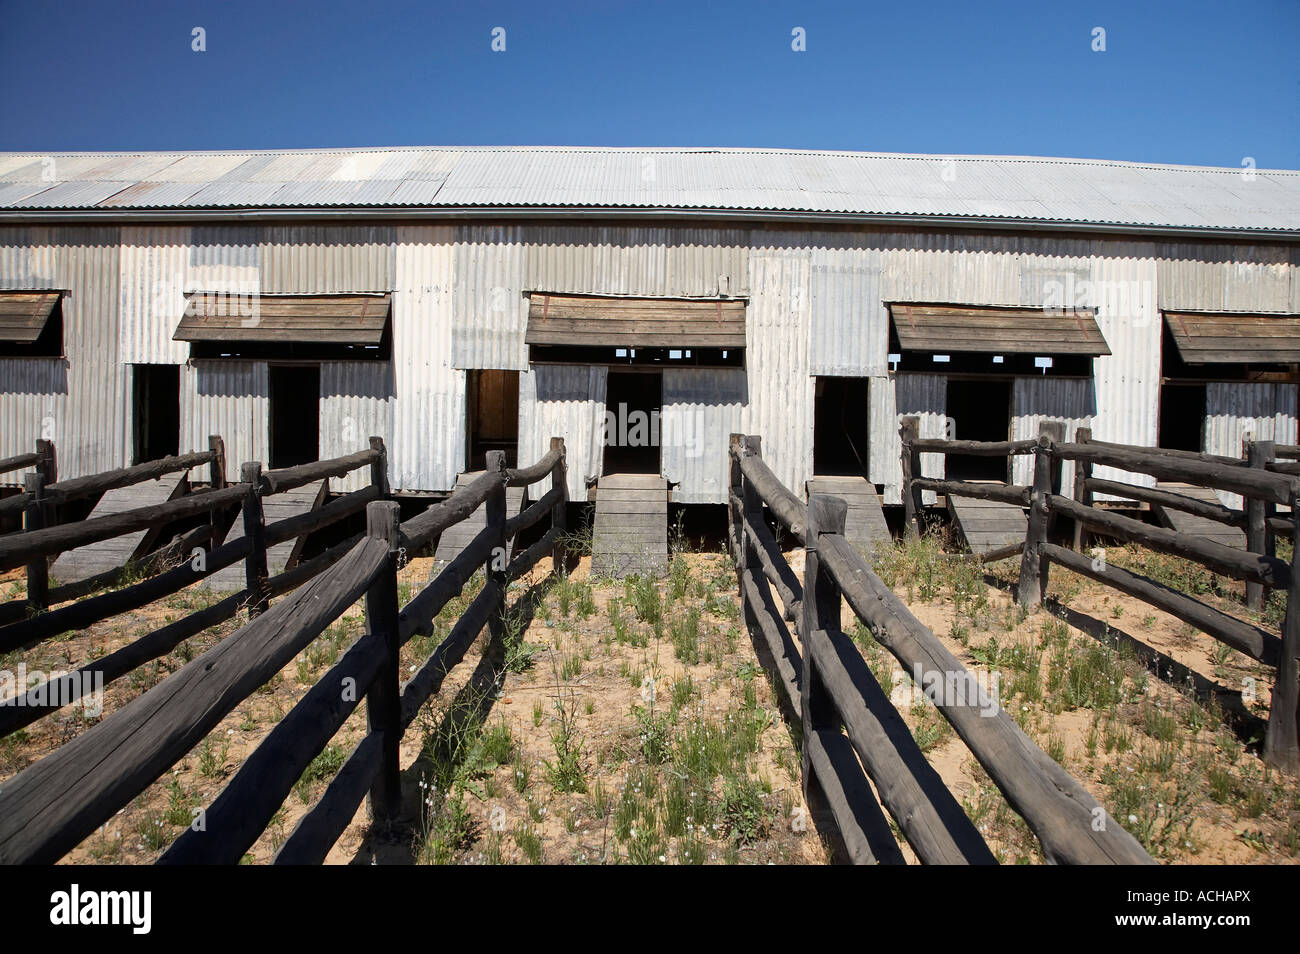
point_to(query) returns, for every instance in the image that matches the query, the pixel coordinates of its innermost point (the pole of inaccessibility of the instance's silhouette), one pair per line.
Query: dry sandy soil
(677, 752)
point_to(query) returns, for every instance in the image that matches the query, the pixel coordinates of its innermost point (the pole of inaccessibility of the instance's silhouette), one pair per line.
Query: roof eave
(777, 216)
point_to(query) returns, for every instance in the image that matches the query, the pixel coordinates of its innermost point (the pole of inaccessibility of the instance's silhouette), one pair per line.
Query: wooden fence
(1262, 480)
(828, 684)
(53, 804)
(43, 459)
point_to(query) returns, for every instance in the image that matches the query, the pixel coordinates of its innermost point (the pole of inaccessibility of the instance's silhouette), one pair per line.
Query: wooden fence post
(255, 573)
(1282, 738)
(1033, 566)
(1082, 474)
(735, 513)
(217, 469)
(752, 506)
(384, 698)
(494, 569)
(560, 512)
(821, 611)
(911, 464)
(379, 466)
(46, 461)
(1258, 454)
(38, 568)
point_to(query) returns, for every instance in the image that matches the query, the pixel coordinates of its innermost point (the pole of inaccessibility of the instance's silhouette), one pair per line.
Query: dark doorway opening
(1182, 415)
(979, 409)
(840, 427)
(493, 416)
(156, 411)
(633, 403)
(295, 414)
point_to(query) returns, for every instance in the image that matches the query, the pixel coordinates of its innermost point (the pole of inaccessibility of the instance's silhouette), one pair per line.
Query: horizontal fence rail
(53, 804)
(828, 684)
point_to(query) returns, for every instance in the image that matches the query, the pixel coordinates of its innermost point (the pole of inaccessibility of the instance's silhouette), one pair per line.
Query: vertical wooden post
(820, 610)
(46, 461)
(217, 468)
(1054, 431)
(255, 574)
(1033, 566)
(379, 466)
(911, 464)
(1258, 453)
(494, 568)
(560, 512)
(383, 698)
(735, 497)
(1082, 474)
(1282, 738)
(38, 567)
(752, 504)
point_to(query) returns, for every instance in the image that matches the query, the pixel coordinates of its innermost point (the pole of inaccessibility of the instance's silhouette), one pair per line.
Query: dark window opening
(978, 411)
(991, 363)
(48, 344)
(290, 351)
(683, 356)
(841, 413)
(493, 416)
(294, 415)
(1173, 366)
(633, 403)
(1182, 415)
(156, 407)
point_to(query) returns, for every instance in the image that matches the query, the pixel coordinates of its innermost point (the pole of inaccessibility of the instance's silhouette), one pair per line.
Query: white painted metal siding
(229, 398)
(488, 305)
(565, 401)
(780, 408)
(1034, 400)
(154, 279)
(356, 403)
(702, 408)
(1237, 410)
(428, 446)
(924, 396)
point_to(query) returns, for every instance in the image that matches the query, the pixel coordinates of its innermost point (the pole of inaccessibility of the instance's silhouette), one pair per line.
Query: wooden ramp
(96, 558)
(630, 534)
(282, 556)
(1185, 522)
(458, 536)
(988, 524)
(864, 525)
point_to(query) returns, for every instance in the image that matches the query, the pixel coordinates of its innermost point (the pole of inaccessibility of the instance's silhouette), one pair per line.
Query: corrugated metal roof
(1020, 189)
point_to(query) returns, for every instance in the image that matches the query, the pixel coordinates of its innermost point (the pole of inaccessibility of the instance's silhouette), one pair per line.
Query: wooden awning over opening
(358, 319)
(23, 314)
(589, 321)
(946, 329)
(1235, 339)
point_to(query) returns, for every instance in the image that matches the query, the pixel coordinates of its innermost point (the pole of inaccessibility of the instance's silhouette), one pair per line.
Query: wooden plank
(625, 543)
(342, 319)
(459, 535)
(865, 524)
(1235, 338)
(75, 565)
(282, 556)
(958, 328)
(988, 524)
(1190, 523)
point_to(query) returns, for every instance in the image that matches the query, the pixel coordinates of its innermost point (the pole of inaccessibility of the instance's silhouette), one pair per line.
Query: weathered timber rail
(828, 684)
(52, 805)
(1261, 487)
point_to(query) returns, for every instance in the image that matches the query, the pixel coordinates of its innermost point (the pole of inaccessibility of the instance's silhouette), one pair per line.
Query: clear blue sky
(1184, 81)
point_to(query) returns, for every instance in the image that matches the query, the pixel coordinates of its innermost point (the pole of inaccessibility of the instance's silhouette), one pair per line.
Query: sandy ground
(1253, 817)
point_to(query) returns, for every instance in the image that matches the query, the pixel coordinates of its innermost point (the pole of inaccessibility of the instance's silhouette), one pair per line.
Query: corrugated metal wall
(924, 396)
(848, 320)
(1199, 277)
(1235, 410)
(780, 409)
(1034, 400)
(488, 303)
(320, 259)
(702, 408)
(229, 398)
(564, 401)
(1128, 379)
(653, 262)
(428, 446)
(356, 403)
(155, 275)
